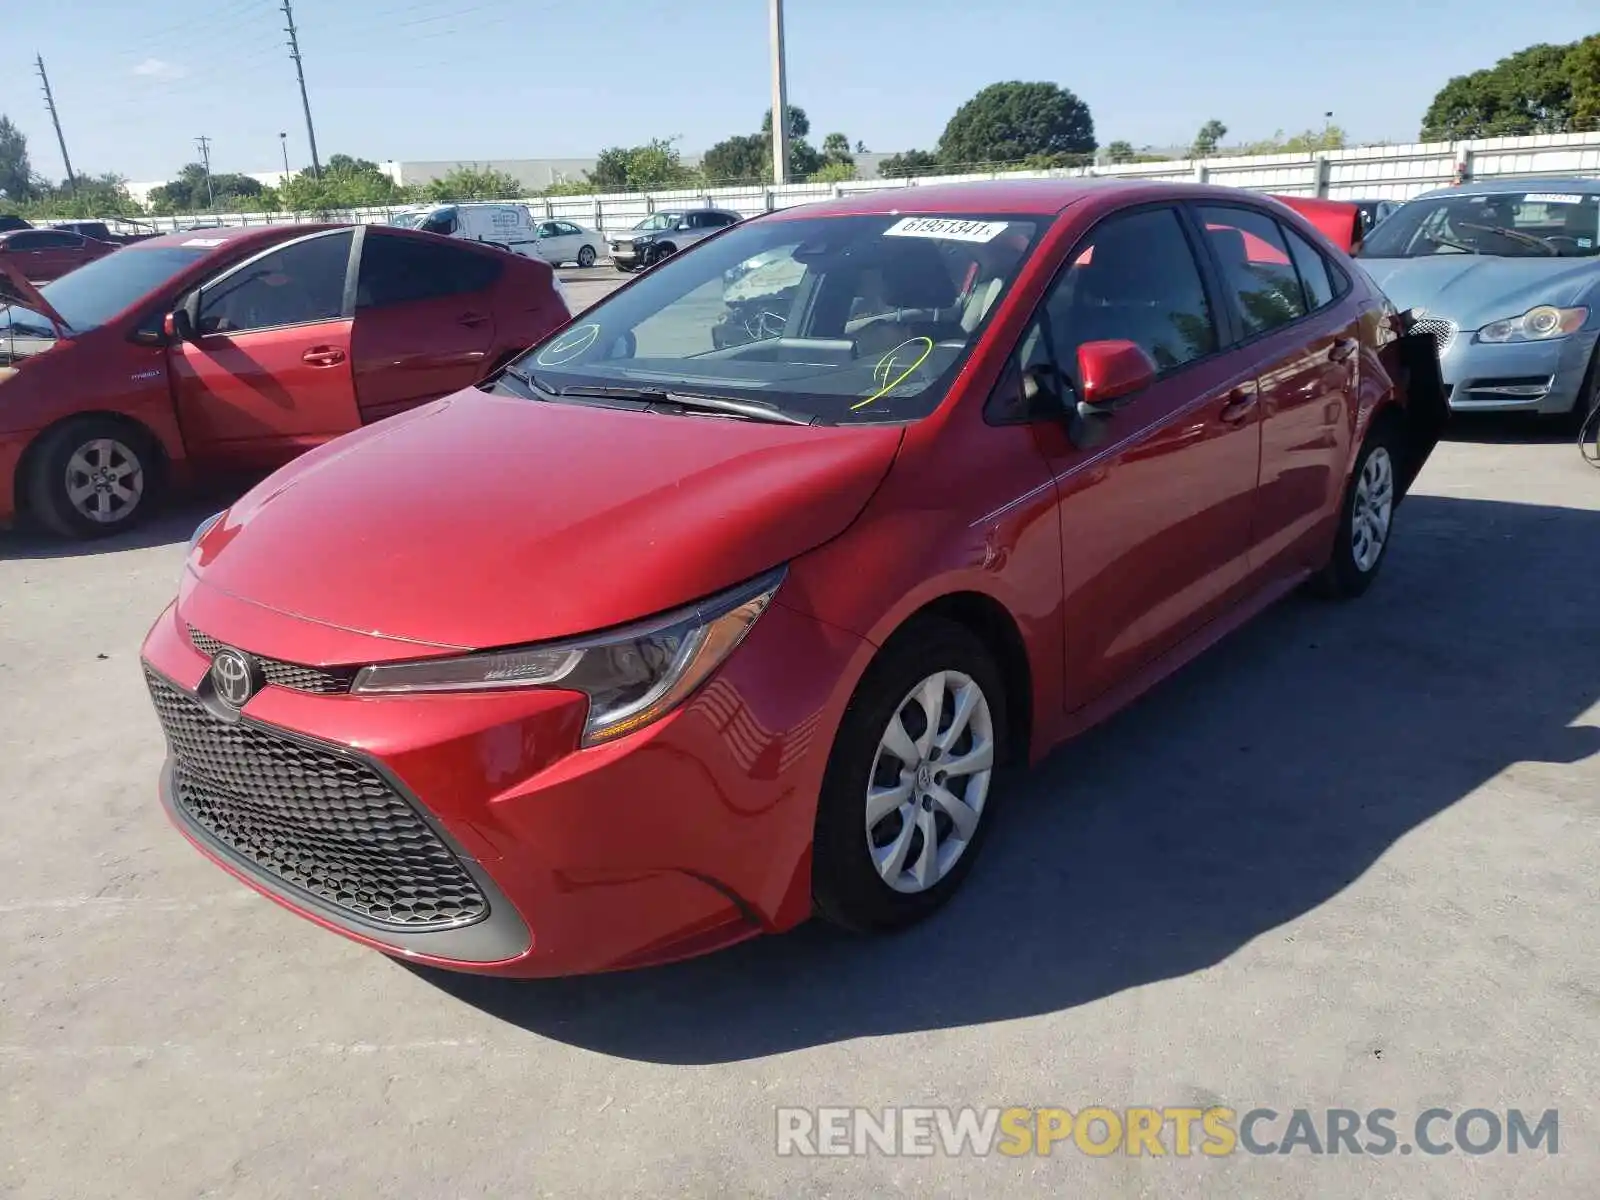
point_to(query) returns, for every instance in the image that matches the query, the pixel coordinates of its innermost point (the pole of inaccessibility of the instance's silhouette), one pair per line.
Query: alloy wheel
(929, 781)
(1373, 510)
(105, 481)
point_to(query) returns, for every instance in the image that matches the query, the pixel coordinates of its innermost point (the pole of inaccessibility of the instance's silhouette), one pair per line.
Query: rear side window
(297, 285)
(1257, 271)
(1135, 279)
(399, 270)
(1319, 284)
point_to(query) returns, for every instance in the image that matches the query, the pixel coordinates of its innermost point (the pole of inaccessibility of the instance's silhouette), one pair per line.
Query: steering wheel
(763, 325)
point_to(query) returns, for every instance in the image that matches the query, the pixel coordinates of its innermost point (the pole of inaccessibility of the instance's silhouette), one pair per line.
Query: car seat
(916, 281)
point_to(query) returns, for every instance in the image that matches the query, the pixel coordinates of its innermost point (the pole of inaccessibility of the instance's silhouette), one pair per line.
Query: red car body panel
(258, 398)
(1098, 572)
(1336, 220)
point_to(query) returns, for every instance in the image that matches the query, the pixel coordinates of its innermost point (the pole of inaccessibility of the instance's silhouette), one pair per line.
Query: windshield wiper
(1514, 235)
(1451, 243)
(753, 410)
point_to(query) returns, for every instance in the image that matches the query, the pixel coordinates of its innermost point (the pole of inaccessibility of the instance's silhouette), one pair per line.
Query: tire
(586, 257)
(848, 889)
(119, 461)
(624, 269)
(1365, 517)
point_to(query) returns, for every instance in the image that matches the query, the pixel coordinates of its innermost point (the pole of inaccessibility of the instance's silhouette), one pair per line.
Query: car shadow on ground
(173, 524)
(1510, 429)
(1241, 795)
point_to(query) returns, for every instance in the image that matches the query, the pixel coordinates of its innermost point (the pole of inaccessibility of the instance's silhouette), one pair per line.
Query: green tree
(834, 172)
(909, 162)
(1531, 91)
(1120, 152)
(16, 172)
(188, 193)
(1010, 122)
(1208, 139)
(473, 183)
(89, 196)
(799, 123)
(1331, 137)
(655, 165)
(743, 158)
(570, 187)
(836, 150)
(1583, 67)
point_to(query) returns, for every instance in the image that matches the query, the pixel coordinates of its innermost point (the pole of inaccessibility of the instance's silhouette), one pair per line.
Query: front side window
(844, 319)
(299, 284)
(1257, 272)
(1135, 279)
(1510, 224)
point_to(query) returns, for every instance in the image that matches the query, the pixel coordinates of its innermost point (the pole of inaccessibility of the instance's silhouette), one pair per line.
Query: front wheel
(1366, 520)
(586, 256)
(92, 477)
(906, 800)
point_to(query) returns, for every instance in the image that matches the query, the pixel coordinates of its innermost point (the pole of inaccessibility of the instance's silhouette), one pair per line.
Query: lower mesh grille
(328, 681)
(325, 824)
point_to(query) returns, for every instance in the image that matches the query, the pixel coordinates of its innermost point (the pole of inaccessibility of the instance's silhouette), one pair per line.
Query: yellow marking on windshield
(884, 369)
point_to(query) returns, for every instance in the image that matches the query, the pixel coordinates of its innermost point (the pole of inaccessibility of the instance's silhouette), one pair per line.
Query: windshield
(837, 319)
(1540, 224)
(100, 290)
(407, 220)
(660, 220)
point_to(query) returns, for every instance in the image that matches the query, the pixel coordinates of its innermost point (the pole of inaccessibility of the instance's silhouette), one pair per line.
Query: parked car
(1506, 275)
(101, 230)
(1374, 211)
(560, 242)
(645, 647)
(238, 348)
(9, 221)
(667, 232)
(508, 226)
(42, 255)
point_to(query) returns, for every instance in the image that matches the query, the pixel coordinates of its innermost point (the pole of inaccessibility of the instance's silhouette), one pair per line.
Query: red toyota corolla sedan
(723, 605)
(41, 255)
(238, 348)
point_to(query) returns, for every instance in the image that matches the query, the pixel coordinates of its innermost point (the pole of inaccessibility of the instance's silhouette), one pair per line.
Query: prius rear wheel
(92, 477)
(907, 799)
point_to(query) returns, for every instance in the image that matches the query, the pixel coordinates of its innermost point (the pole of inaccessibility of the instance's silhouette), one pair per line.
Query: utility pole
(300, 74)
(205, 158)
(780, 100)
(50, 103)
(283, 141)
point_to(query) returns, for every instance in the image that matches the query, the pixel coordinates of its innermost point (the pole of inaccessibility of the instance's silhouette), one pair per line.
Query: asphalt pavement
(1347, 860)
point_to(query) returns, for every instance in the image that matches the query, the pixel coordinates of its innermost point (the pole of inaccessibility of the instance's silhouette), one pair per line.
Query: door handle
(472, 319)
(323, 356)
(1343, 348)
(1239, 406)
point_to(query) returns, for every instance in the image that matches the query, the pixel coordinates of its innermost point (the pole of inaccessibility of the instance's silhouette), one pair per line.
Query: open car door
(1412, 361)
(1337, 221)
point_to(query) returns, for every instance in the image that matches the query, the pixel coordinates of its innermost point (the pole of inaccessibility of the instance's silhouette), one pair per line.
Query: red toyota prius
(724, 603)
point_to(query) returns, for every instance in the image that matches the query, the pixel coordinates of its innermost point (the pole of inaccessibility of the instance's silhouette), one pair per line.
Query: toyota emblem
(233, 675)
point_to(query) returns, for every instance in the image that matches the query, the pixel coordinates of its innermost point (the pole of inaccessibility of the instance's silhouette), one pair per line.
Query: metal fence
(1360, 172)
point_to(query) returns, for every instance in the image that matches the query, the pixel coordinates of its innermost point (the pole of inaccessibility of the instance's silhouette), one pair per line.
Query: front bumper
(626, 254)
(1535, 377)
(687, 836)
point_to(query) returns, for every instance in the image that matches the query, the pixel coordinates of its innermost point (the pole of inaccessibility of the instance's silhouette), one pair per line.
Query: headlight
(632, 676)
(1536, 325)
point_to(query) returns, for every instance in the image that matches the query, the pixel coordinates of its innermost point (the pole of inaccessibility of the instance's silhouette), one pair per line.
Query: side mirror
(179, 326)
(1110, 373)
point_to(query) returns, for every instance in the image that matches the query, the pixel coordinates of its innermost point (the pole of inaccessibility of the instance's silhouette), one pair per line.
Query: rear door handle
(323, 356)
(1239, 406)
(1343, 349)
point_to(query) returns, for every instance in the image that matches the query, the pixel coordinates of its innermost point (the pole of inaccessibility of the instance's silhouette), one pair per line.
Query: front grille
(1441, 331)
(325, 824)
(325, 681)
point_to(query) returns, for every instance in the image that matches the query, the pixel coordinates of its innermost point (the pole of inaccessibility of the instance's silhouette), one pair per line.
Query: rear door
(424, 320)
(1285, 300)
(270, 372)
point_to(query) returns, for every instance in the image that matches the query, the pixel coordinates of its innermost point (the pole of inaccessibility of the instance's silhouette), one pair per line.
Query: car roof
(228, 236)
(1012, 197)
(1558, 185)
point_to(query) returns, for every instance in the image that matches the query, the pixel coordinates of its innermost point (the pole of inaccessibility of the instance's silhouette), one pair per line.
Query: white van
(508, 226)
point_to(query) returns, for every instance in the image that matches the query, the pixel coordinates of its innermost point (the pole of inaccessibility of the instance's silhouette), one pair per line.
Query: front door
(1155, 518)
(424, 320)
(1285, 299)
(269, 373)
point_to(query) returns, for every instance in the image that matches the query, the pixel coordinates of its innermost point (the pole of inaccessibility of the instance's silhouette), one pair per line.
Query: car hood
(482, 521)
(1474, 289)
(15, 289)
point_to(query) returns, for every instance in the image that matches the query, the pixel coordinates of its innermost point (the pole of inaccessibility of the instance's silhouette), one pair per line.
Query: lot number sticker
(1543, 198)
(947, 228)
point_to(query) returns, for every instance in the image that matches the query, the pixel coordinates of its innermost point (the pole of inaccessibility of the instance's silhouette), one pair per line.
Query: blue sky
(428, 79)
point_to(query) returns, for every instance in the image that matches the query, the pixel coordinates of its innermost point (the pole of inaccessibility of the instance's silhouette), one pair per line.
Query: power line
(300, 74)
(50, 103)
